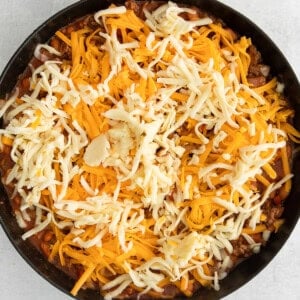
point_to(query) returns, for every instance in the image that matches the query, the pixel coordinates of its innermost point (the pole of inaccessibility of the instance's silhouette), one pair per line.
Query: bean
(40, 235)
(192, 16)
(17, 200)
(46, 249)
(25, 83)
(55, 43)
(48, 236)
(70, 29)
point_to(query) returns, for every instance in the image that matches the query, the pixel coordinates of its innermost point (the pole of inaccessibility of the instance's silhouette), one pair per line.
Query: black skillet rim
(271, 55)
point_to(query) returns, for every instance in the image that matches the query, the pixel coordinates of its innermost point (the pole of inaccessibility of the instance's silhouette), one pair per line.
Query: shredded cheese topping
(147, 147)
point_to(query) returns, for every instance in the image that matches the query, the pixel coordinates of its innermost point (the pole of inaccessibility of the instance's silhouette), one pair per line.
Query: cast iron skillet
(271, 56)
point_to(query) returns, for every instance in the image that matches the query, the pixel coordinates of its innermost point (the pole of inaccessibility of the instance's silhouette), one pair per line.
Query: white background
(280, 20)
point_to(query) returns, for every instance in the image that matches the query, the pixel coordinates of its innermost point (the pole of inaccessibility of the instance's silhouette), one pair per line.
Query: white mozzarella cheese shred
(38, 228)
(97, 151)
(42, 57)
(110, 11)
(20, 220)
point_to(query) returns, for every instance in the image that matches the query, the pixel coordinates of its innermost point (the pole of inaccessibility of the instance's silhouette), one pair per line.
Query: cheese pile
(147, 148)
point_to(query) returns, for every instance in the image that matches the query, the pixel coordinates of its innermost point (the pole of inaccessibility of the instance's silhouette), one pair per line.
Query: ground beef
(138, 8)
(257, 81)
(90, 22)
(241, 248)
(273, 214)
(63, 48)
(257, 72)
(133, 6)
(171, 290)
(256, 60)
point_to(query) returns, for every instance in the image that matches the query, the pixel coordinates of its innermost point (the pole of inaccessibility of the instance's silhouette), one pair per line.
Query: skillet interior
(271, 56)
